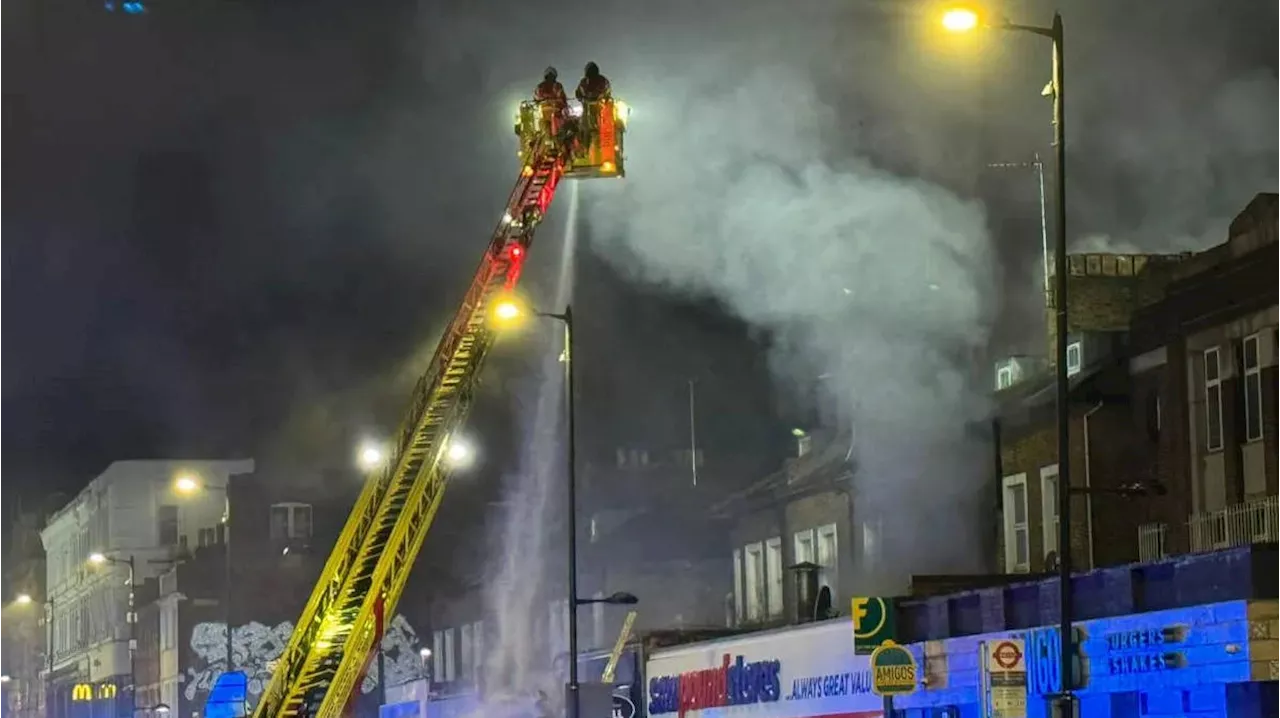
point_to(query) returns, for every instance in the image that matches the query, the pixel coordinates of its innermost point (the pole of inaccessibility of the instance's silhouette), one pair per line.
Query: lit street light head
(186, 484)
(959, 20)
(425, 653)
(371, 456)
(22, 599)
(97, 558)
(459, 453)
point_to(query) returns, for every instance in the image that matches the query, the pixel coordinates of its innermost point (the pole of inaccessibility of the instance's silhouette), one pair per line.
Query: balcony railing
(1237, 525)
(1151, 541)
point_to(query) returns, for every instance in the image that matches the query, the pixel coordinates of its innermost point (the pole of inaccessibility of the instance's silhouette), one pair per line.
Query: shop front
(803, 672)
(1216, 659)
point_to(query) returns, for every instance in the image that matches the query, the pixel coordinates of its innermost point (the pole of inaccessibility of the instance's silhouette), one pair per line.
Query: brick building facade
(1203, 361)
(1173, 394)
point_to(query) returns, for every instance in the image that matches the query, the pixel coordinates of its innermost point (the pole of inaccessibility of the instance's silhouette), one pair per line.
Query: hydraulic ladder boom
(367, 570)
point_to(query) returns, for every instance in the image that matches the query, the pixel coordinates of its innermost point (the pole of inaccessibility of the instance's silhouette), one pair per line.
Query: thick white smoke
(886, 283)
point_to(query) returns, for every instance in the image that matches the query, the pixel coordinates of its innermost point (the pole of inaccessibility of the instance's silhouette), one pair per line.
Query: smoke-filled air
(882, 283)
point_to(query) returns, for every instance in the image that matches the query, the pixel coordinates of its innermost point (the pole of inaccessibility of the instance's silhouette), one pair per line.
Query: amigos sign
(806, 671)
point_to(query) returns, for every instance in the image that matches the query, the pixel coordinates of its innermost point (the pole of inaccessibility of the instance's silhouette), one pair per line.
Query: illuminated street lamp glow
(22, 599)
(186, 484)
(97, 558)
(959, 20)
(425, 653)
(459, 453)
(371, 456)
(507, 310)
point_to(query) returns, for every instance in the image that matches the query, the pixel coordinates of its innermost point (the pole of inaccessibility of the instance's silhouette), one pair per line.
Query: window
(803, 444)
(1016, 542)
(477, 650)
(450, 664)
(737, 585)
(464, 651)
(1004, 377)
(753, 570)
(804, 547)
(773, 571)
(167, 525)
(1073, 358)
(827, 558)
(207, 537)
(290, 521)
(437, 657)
(1049, 507)
(1252, 387)
(1212, 400)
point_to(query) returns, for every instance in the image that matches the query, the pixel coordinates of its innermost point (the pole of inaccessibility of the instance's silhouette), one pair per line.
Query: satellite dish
(822, 604)
(1051, 561)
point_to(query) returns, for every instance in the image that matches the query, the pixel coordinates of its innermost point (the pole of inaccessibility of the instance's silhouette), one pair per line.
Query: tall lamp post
(99, 559)
(188, 485)
(963, 20)
(31, 660)
(508, 311)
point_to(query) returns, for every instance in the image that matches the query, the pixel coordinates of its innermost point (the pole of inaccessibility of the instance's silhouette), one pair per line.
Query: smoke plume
(882, 282)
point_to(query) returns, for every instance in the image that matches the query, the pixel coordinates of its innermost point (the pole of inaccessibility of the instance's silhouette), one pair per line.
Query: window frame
(1003, 373)
(290, 525)
(1048, 507)
(1251, 382)
(803, 537)
(1075, 348)
(828, 575)
(1007, 486)
(774, 604)
(753, 574)
(739, 585)
(1212, 405)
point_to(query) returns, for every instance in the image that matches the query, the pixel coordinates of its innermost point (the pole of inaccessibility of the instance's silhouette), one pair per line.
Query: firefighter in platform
(593, 88)
(553, 104)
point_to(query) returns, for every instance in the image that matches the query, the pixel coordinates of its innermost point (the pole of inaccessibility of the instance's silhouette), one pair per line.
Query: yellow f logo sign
(859, 612)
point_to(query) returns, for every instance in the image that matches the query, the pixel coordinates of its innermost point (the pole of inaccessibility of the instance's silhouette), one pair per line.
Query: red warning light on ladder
(516, 251)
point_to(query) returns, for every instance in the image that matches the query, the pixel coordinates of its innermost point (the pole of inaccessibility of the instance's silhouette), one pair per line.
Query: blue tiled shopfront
(1193, 636)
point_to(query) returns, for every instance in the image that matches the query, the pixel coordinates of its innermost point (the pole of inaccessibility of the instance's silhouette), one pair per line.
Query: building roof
(828, 464)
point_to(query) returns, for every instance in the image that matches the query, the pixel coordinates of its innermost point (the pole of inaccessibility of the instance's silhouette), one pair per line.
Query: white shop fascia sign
(789, 673)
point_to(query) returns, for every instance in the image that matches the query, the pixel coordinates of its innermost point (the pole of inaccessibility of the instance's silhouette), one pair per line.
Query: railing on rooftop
(1241, 524)
(1151, 541)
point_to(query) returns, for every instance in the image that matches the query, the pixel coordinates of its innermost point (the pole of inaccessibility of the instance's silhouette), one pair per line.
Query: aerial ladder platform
(333, 642)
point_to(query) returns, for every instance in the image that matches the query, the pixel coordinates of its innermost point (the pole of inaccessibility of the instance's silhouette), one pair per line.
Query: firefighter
(550, 92)
(593, 86)
(553, 106)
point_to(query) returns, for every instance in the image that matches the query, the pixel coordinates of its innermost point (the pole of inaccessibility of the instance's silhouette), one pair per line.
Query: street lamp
(191, 485)
(424, 655)
(99, 559)
(371, 456)
(962, 20)
(22, 599)
(506, 311)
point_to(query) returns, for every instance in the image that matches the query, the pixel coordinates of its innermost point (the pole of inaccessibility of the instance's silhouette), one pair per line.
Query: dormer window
(803, 444)
(1004, 377)
(1073, 358)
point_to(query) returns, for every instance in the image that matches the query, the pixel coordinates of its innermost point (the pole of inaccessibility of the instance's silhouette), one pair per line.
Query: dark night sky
(229, 225)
